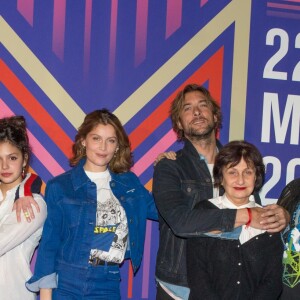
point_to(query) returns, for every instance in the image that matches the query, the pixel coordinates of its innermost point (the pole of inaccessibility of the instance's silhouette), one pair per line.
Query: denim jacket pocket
(72, 215)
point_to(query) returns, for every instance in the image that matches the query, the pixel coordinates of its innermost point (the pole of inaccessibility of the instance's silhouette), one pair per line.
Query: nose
(196, 111)
(102, 145)
(240, 178)
(4, 164)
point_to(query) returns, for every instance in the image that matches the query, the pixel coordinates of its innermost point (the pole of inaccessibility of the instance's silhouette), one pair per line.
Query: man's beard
(197, 135)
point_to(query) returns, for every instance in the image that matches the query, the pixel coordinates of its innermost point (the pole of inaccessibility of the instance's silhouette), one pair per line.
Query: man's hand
(275, 218)
(24, 205)
(272, 218)
(168, 155)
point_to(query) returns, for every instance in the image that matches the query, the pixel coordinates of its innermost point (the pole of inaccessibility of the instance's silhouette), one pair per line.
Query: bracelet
(250, 217)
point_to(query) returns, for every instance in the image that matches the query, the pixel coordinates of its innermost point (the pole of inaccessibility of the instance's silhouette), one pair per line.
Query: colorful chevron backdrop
(61, 59)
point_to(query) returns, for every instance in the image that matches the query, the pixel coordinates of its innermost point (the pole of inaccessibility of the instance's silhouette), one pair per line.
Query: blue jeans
(93, 282)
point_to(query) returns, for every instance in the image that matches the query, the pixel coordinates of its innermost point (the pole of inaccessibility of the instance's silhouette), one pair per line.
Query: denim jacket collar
(191, 150)
(79, 178)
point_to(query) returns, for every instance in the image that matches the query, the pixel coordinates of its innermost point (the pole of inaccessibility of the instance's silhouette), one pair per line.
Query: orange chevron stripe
(211, 71)
(35, 109)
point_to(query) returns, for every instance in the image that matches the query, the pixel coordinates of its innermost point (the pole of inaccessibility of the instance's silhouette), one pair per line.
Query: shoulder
(59, 184)
(172, 163)
(60, 178)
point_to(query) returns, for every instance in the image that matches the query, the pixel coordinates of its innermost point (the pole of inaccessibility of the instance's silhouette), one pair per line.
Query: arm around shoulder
(176, 204)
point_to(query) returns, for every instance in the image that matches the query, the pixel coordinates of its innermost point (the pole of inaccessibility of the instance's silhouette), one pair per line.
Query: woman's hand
(168, 155)
(24, 205)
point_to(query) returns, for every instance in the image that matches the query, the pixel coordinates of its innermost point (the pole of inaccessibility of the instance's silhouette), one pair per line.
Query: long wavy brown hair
(122, 160)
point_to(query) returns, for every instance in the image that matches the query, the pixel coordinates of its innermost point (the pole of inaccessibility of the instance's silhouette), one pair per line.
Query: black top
(227, 269)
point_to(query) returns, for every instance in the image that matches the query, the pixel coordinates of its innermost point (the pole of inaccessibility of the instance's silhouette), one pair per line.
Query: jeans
(93, 282)
(179, 291)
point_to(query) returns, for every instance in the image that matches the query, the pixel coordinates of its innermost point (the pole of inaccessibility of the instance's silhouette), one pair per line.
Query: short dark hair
(232, 153)
(178, 102)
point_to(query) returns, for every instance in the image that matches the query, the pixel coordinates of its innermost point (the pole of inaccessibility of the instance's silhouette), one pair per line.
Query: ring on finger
(26, 214)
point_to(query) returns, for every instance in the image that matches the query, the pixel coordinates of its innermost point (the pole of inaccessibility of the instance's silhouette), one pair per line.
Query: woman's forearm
(46, 294)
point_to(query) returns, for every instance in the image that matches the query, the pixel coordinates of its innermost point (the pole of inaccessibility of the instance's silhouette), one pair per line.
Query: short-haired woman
(247, 268)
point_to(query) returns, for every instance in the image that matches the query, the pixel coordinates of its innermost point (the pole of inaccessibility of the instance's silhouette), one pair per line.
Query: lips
(240, 188)
(6, 174)
(198, 121)
(101, 155)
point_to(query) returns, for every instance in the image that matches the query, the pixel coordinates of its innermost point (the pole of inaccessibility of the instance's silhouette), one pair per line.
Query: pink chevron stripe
(141, 31)
(87, 37)
(293, 1)
(283, 14)
(174, 16)
(113, 39)
(39, 151)
(25, 8)
(145, 161)
(283, 6)
(146, 261)
(58, 38)
(203, 2)
(44, 156)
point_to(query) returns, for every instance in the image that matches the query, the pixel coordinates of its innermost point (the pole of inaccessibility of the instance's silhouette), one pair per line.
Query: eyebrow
(110, 137)
(200, 101)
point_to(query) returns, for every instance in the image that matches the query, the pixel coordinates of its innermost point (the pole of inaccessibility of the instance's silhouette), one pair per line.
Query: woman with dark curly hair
(18, 240)
(97, 215)
(247, 268)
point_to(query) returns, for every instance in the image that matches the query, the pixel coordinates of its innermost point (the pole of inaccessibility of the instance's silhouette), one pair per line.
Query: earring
(117, 149)
(82, 151)
(23, 173)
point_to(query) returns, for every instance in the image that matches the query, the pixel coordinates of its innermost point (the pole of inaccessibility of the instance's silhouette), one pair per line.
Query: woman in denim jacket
(97, 215)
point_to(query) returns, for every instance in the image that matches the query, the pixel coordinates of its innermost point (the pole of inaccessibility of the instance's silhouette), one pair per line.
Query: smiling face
(11, 165)
(101, 144)
(196, 117)
(239, 182)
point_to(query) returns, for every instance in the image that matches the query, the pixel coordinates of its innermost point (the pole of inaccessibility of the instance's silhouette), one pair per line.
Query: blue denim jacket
(69, 229)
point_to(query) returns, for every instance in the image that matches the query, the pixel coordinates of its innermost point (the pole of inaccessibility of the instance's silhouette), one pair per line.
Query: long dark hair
(13, 130)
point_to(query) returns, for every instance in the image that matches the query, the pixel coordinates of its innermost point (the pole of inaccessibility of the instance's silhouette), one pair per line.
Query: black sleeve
(174, 209)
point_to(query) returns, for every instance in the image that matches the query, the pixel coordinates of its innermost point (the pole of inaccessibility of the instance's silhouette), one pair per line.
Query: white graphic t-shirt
(111, 230)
